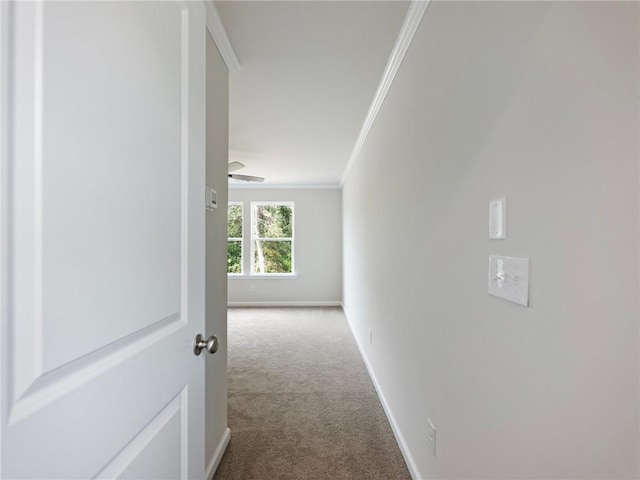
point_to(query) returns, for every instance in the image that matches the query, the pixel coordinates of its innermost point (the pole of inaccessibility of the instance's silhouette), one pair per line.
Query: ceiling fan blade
(246, 178)
(233, 166)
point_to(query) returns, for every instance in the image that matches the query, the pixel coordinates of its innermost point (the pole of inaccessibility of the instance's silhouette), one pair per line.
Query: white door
(102, 239)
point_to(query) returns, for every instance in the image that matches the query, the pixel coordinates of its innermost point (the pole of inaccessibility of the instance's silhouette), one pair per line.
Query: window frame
(253, 238)
(236, 239)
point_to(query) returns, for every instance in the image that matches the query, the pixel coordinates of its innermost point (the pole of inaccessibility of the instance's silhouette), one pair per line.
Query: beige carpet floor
(301, 403)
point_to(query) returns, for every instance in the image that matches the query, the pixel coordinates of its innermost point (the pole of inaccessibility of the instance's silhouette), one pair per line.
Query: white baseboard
(402, 444)
(217, 454)
(285, 304)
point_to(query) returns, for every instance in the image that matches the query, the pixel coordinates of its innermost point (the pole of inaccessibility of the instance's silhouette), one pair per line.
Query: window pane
(273, 257)
(234, 256)
(234, 222)
(274, 221)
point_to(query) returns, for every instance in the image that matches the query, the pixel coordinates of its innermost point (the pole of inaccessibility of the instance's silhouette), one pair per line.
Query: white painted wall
(318, 250)
(538, 102)
(217, 433)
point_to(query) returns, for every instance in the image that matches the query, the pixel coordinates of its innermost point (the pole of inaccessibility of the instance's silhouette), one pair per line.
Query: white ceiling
(308, 74)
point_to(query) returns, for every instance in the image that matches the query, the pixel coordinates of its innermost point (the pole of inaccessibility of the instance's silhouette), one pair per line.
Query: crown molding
(411, 23)
(220, 38)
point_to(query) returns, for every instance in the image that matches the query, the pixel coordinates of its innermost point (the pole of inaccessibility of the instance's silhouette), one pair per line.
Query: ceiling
(308, 74)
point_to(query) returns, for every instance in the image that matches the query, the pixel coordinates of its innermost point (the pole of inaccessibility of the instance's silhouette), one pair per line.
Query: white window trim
(291, 239)
(241, 239)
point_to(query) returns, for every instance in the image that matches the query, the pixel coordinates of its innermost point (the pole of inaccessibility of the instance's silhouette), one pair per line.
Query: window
(234, 238)
(272, 244)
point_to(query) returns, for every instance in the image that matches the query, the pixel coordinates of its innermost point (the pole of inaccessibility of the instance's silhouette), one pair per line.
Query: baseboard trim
(217, 454)
(284, 304)
(402, 444)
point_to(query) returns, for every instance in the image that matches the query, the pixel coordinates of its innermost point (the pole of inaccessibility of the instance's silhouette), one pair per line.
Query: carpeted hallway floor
(301, 404)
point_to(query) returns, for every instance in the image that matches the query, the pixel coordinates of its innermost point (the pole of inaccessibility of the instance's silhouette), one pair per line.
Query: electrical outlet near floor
(431, 431)
(370, 337)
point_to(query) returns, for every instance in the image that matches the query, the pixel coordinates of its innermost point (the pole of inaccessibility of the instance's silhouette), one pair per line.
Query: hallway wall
(538, 102)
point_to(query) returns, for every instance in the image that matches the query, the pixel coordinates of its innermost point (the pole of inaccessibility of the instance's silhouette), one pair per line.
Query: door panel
(103, 292)
(137, 286)
(166, 432)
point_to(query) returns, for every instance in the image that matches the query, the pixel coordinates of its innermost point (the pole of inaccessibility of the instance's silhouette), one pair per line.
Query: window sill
(266, 276)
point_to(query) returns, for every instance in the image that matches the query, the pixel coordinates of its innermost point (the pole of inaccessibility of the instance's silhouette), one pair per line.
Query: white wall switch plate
(498, 218)
(431, 431)
(210, 198)
(509, 278)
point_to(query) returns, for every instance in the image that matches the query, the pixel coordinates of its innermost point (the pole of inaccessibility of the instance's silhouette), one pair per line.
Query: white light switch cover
(497, 219)
(210, 198)
(509, 278)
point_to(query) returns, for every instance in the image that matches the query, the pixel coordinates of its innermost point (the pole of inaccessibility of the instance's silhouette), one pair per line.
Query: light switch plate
(498, 219)
(431, 431)
(210, 198)
(509, 278)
